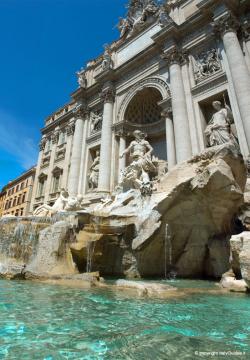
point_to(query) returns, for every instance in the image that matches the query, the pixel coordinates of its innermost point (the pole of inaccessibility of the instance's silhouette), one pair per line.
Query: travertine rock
(229, 282)
(184, 227)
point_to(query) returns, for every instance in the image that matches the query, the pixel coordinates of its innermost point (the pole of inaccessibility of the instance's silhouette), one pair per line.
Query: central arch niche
(144, 113)
(143, 109)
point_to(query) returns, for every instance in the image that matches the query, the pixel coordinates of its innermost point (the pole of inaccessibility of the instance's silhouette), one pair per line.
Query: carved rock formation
(184, 227)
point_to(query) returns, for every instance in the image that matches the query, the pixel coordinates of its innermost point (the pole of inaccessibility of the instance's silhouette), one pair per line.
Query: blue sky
(43, 44)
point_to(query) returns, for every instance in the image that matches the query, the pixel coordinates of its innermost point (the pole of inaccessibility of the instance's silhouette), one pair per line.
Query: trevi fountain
(157, 265)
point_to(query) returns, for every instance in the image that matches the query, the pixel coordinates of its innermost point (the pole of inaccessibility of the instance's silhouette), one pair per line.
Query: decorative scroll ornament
(226, 23)
(108, 94)
(95, 122)
(206, 64)
(82, 80)
(175, 56)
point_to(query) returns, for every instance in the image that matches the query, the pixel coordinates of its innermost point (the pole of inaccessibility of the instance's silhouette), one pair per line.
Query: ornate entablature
(206, 64)
(152, 82)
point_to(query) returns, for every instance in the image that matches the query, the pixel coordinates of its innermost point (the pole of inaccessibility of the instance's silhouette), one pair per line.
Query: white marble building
(170, 63)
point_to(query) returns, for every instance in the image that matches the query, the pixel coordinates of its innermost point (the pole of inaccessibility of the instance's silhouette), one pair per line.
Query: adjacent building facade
(15, 197)
(161, 77)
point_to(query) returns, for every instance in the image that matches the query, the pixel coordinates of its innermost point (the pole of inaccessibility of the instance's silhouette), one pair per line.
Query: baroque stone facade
(171, 63)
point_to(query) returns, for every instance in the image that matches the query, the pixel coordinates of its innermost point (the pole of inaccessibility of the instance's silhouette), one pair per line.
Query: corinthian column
(74, 171)
(174, 59)
(171, 157)
(246, 38)
(227, 27)
(122, 159)
(69, 132)
(107, 96)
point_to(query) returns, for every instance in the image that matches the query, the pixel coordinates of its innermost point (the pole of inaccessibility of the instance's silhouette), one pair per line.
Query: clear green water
(40, 321)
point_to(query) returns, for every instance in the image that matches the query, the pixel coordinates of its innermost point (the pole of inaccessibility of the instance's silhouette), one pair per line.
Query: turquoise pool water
(51, 322)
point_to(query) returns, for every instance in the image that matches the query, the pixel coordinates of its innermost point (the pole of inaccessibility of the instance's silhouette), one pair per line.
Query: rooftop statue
(218, 130)
(82, 80)
(139, 11)
(107, 62)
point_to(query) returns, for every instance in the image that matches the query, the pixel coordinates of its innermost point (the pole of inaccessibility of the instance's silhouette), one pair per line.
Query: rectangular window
(41, 187)
(62, 138)
(56, 183)
(23, 198)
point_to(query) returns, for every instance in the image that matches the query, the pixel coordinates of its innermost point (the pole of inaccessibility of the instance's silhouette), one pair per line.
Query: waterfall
(90, 253)
(167, 253)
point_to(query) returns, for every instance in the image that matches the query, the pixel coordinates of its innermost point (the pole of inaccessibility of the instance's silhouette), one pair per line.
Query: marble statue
(218, 130)
(59, 205)
(82, 80)
(93, 175)
(74, 203)
(163, 16)
(107, 62)
(137, 174)
(95, 122)
(124, 27)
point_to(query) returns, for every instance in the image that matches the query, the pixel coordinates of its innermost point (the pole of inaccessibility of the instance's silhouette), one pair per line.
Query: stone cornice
(64, 118)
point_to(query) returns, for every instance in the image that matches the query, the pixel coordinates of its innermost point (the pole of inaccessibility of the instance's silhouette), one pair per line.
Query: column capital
(81, 111)
(121, 133)
(226, 23)
(108, 94)
(175, 56)
(167, 112)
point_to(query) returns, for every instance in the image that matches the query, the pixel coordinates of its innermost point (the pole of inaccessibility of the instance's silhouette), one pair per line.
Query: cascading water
(90, 253)
(168, 255)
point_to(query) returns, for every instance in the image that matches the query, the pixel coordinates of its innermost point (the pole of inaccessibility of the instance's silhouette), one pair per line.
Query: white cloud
(16, 139)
